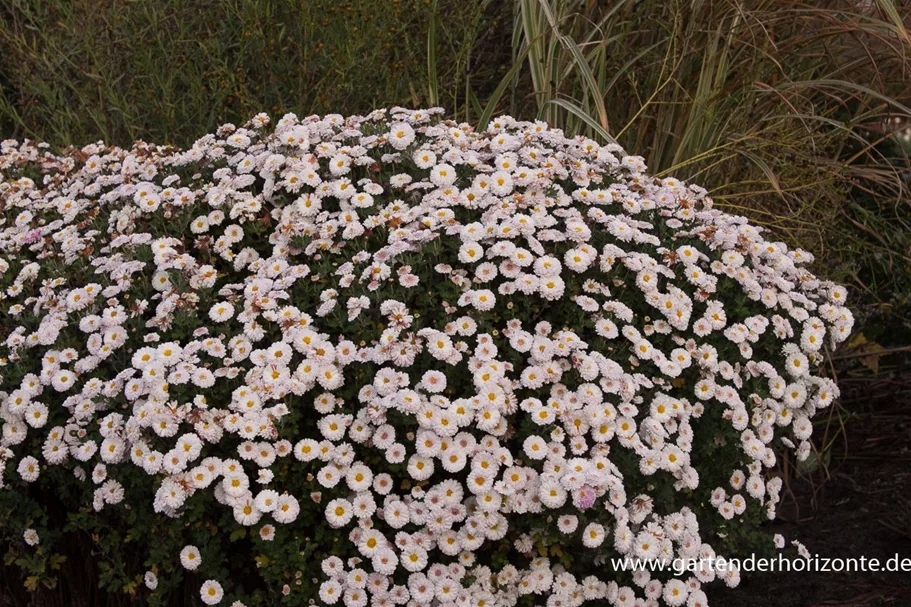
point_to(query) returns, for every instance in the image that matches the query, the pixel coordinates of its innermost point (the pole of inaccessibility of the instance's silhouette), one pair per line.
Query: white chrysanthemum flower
(189, 558)
(31, 537)
(401, 135)
(211, 592)
(339, 512)
(29, 469)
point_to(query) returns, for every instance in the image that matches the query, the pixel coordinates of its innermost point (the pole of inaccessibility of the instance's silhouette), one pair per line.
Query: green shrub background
(170, 71)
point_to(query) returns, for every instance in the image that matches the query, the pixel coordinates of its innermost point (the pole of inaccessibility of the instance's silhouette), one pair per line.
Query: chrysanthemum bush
(391, 360)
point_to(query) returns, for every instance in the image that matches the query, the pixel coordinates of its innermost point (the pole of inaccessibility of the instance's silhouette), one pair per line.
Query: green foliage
(170, 70)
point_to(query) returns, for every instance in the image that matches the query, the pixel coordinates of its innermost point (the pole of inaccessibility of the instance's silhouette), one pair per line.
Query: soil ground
(860, 506)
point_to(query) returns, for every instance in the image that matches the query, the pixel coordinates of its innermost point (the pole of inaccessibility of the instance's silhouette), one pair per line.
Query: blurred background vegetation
(793, 113)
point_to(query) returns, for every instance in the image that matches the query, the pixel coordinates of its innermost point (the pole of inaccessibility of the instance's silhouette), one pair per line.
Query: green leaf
(494, 100)
(585, 117)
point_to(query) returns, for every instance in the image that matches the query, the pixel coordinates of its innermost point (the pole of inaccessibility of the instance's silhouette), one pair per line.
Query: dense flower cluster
(484, 360)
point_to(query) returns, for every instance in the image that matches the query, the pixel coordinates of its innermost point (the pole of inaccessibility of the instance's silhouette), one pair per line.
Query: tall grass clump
(786, 108)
